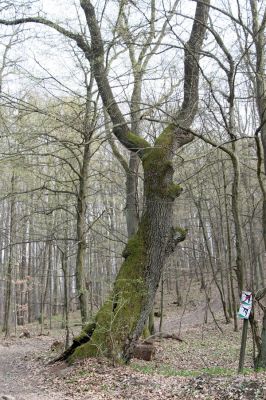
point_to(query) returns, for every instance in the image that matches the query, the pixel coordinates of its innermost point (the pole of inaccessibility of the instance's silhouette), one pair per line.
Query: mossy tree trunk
(122, 318)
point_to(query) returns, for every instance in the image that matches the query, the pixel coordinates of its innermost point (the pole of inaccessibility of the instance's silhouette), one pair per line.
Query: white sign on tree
(245, 305)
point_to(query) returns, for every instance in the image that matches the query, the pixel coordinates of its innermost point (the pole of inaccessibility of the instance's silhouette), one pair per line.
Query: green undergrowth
(166, 370)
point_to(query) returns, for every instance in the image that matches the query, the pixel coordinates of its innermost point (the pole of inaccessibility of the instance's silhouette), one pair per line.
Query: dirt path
(23, 375)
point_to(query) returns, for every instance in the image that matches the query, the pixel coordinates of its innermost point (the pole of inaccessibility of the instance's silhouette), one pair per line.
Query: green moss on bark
(118, 318)
(161, 148)
(158, 166)
(174, 190)
(94, 346)
(165, 139)
(182, 232)
(136, 140)
(119, 315)
(85, 333)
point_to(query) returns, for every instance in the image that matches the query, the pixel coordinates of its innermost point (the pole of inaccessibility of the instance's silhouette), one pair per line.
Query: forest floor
(202, 366)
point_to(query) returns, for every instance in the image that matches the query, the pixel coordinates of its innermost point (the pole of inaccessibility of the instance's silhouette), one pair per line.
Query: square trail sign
(245, 305)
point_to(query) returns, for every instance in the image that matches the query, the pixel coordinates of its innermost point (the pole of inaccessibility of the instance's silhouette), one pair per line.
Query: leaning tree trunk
(121, 320)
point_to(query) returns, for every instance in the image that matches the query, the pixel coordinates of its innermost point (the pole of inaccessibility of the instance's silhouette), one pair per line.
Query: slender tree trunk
(261, 359)
(179, 299)
(240, 267)
(161, 304)
(229, 255)
(56, 285)
(65, 269)
(30, 273)
(50, 283)
(260, 341)
(44, 284)
(81, 236)
(8, 295)
(214, 273)
(22, 277)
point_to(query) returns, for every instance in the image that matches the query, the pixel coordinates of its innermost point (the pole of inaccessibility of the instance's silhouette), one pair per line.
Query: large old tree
(121, 320)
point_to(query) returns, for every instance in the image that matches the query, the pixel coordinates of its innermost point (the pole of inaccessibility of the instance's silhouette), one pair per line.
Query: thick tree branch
(95, 55)
(185, 116)
(39, 20)
(96, 58)
(260, 294)
(191, 63)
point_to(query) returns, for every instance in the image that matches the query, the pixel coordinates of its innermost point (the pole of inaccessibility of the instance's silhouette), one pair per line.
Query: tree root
(84, 337)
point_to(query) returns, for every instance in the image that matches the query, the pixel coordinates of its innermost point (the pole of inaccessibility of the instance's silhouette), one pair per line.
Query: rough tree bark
(121, 320)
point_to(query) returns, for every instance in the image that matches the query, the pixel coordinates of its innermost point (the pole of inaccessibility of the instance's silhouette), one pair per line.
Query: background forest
(71, 194)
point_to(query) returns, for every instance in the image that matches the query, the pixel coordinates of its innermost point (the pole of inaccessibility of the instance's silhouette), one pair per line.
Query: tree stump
(144, 351)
